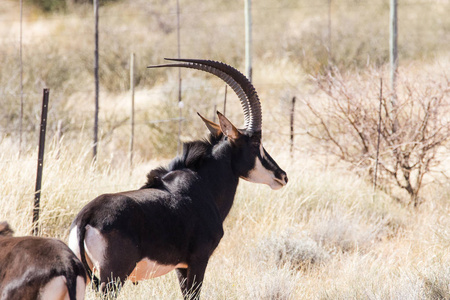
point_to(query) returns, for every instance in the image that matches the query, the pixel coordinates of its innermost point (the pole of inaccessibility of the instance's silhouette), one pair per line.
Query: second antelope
(38, 268)
(174, 222)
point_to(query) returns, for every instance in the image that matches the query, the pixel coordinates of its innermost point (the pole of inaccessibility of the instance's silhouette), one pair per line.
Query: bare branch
(349, 122)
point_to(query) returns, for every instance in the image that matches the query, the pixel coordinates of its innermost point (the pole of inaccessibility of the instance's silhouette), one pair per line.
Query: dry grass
(324, 236)
(290, 37)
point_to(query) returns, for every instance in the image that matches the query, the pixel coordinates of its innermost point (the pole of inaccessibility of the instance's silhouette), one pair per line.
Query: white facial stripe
(259, 174)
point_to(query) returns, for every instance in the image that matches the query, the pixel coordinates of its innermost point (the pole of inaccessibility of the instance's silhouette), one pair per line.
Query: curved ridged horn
(236, 80)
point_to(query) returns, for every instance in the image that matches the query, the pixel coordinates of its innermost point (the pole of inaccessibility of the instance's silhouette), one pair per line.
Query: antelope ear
(227, 127)
(212, 127)
(5, 230)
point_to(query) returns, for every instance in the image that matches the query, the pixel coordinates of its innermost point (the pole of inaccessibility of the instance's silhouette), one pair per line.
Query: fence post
(132, 109)
(393, 61)
(180, 117)
(180, 101)
(248, 39)
(214, 113)
(58, 138)
(96, 81)
(225, 101)
(292, 127)
(21, 80)
(330, 53)
(40, 164)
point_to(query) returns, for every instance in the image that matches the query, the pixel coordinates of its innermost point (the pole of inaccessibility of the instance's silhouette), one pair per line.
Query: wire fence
(327, 12)
(327, 15)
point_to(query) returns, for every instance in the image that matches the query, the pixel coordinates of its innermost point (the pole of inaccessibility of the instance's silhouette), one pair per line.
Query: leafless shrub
(291, 249)
(412, 133)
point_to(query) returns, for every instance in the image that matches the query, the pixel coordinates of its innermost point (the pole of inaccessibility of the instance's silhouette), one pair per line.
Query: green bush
(49, 5)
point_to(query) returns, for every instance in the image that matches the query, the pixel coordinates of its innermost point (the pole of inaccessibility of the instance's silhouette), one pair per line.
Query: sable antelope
(38, 268)
(174, 222)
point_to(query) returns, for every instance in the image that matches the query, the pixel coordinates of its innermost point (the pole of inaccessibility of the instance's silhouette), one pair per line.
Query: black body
(176, 217)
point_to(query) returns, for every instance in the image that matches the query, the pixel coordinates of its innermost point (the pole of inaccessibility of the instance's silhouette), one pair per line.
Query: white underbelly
(146, 269)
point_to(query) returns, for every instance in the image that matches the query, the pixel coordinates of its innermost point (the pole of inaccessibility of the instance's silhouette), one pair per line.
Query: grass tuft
(291, 249)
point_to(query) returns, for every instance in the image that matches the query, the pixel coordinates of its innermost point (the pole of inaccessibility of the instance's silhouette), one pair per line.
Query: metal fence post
(40, 164)
(132, 109)
(292, 127)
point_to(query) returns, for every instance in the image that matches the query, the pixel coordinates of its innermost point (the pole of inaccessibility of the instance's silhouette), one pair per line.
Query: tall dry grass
(290, 39)
(326, 235)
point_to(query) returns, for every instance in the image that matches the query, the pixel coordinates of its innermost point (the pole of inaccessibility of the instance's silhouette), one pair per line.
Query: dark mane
(194, 153)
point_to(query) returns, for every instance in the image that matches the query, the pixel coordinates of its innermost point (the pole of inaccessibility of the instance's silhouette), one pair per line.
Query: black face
(252, 162)
(244, 153)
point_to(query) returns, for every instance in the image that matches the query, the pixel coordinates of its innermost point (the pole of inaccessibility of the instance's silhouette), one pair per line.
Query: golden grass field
(326, 235)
